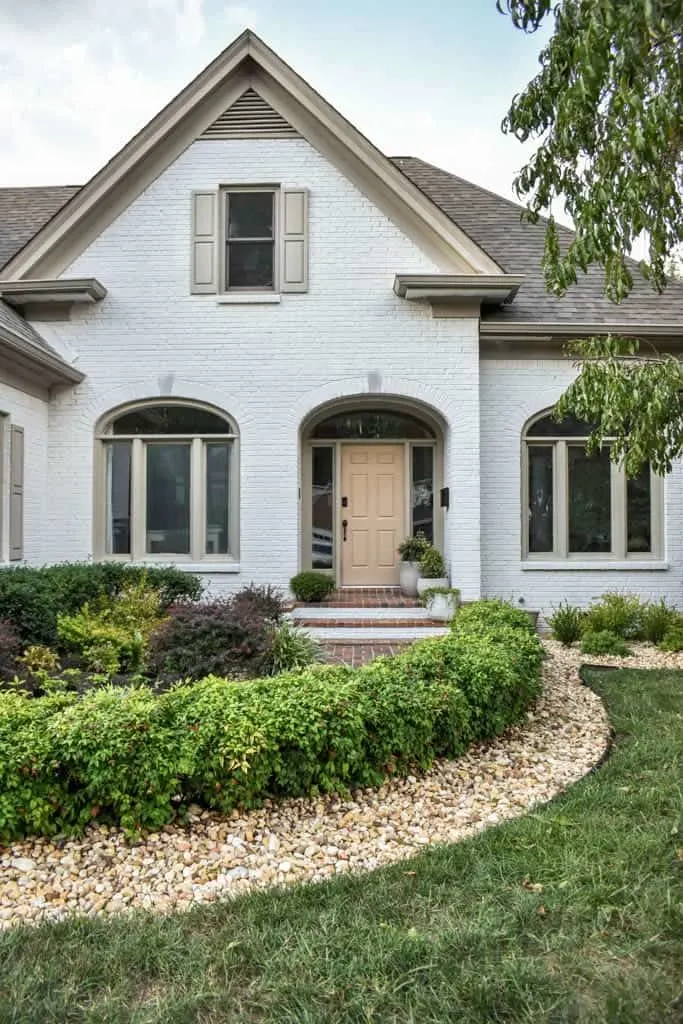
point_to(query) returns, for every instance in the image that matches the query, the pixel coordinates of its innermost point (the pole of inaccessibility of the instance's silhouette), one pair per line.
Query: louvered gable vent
(250, 117)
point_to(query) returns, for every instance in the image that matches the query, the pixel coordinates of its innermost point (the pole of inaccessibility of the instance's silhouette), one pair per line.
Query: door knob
(345, 523)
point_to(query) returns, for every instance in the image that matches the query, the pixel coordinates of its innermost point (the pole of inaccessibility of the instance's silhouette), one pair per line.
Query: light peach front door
(373, 484)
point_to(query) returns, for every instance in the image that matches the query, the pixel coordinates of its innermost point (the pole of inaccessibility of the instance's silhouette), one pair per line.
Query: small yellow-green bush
(132, 756)
(113, 636)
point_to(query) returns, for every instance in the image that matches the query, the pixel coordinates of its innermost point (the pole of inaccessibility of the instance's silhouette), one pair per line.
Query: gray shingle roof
(23, 211)
(495, 224)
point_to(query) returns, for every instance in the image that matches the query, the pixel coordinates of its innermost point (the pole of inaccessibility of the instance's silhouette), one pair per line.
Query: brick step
(373, 633)
(363, 597)
(396, 622)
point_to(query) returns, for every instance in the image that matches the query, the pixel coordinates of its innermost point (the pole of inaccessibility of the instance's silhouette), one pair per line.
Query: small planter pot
(425, 584)
(533, 616)
(443, 606)
(408, 576)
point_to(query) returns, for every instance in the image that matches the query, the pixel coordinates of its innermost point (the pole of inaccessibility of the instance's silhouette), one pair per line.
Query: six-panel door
(373, 482)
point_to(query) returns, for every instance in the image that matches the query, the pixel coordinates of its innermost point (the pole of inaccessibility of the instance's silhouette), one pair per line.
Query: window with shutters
(249, 239)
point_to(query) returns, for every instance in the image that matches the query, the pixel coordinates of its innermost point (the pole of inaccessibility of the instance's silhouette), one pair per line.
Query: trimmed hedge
(134, 757)
(33, 598)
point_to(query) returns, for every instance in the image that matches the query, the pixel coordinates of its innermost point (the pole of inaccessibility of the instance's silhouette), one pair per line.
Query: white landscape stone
(218, 857)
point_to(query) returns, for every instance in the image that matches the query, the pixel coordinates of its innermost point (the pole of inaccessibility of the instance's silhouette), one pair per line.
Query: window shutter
(16, 494)
(204, 243)
(294, 271)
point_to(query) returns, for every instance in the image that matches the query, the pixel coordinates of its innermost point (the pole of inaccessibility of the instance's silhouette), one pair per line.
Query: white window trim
(197, 556)
(256, 293)
(560, 556)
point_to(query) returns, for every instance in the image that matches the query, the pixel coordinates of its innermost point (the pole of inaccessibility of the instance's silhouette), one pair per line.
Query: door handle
(345, 523)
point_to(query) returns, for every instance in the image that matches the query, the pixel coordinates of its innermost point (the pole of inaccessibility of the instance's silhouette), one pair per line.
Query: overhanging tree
(607, 110)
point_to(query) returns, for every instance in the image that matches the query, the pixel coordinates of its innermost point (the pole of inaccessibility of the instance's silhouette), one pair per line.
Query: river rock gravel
(218, 857)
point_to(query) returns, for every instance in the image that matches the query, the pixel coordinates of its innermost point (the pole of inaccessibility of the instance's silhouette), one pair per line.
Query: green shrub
(616, 613)
(33, 598)
(113, 637)
(673, 639)
(657, 619)
(34, 794)
(411, 549)
(311, 586)
(292, 649)
(567, 623)
(491, 615)
(432, 564)
(134, 757)
(604, 641)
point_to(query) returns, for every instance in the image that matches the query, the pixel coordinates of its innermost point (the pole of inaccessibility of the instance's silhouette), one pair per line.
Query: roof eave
(60, 291)
(49, 368)
(488, 289)
(542, 329)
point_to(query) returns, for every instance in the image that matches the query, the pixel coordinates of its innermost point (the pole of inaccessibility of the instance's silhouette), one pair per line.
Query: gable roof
(495, 224)
(246, 64)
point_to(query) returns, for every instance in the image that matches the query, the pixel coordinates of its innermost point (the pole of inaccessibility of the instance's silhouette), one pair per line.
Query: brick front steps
(358, 625)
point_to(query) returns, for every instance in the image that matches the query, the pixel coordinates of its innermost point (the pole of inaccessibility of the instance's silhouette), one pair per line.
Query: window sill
(248, 299)
(568, 565)
(208, 568)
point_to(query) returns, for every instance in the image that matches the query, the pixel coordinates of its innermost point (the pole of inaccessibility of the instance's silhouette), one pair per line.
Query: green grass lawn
(572, 914)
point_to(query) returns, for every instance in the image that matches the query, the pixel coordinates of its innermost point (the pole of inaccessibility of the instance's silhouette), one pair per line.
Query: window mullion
(197, 503)
(619, 512)
(138, 500)
(561, 499)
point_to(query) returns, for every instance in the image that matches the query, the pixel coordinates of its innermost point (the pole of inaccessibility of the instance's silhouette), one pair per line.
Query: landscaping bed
(560, 739)
(570, 913)
(138, 758)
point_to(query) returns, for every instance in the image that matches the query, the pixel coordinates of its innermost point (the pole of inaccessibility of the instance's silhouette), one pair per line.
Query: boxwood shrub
(135, 757)
(33, 598)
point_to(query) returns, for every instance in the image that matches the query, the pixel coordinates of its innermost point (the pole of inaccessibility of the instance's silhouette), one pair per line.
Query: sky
(432, 79)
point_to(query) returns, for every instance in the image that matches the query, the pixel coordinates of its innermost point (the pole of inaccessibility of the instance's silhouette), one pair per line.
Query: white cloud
(80, 77)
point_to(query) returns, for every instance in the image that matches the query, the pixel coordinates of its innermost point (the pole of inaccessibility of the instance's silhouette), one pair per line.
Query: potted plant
(410, 552)
(442, 602)
(432, 571)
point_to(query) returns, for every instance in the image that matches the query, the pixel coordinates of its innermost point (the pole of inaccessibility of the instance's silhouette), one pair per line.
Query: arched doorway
(372, 468)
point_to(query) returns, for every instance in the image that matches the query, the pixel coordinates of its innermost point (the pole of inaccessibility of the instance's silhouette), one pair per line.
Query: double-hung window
(168, 484)
(580, 507)
(249, 239)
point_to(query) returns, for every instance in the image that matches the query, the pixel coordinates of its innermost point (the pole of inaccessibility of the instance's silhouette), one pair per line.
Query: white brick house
(253, 344)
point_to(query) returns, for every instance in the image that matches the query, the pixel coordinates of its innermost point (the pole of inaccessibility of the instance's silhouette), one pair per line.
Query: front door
(373, 486)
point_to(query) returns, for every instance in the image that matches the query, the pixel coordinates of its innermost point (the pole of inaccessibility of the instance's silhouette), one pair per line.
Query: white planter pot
(408, 576)
(425, 584)
(443, 606)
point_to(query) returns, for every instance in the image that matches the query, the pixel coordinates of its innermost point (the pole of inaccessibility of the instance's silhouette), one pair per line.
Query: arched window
(168, 473)
(581, 506)
(373, 425)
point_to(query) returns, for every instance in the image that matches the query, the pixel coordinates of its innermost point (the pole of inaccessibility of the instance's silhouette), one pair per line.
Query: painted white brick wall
(511, 392)
(24, 410)
(269, 366)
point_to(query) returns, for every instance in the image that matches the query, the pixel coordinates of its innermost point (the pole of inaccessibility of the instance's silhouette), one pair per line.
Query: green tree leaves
(635, 400)
(607, 108)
